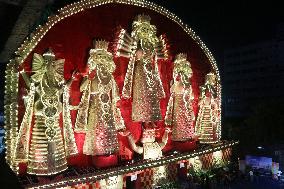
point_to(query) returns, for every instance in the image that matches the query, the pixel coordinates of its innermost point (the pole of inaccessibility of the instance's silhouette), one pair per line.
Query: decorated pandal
(95, 98)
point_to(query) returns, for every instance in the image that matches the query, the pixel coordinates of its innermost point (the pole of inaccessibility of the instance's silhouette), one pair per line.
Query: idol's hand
(168, 129)
(124, 132)
(73, 77)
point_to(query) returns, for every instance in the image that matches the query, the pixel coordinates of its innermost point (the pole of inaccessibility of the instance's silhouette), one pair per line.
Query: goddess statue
(179, 110)
(46, 143)
(208, 119)
(142, 81)
(98, 114)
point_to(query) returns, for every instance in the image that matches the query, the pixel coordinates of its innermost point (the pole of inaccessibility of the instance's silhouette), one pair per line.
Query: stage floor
(75, 176)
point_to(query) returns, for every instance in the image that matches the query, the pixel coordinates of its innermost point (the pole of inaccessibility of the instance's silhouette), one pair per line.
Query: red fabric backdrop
(72, 38)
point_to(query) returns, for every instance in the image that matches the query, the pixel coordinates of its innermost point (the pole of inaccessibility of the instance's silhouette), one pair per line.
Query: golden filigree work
(142, 81)
(11, 106)
(179, 110)
(42, 145)
(12, 74)
(208, 120)
(98, 114)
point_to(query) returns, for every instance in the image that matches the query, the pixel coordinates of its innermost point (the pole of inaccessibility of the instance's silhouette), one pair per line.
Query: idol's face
(104, 61)
(145, 31)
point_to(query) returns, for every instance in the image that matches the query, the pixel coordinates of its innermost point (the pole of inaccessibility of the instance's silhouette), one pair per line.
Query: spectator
(279, 174)
(251, 175)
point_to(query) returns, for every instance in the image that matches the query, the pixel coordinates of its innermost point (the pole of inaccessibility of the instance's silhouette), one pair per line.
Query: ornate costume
(208, 120)
(44, 145)
(179, 110)
(98, 113)
(142, 81)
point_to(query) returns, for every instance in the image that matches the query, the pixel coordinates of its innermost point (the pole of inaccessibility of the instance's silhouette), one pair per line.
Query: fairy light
(193, 157)
(74, 8)
(179, 112)
(101, 133)
(208, 118)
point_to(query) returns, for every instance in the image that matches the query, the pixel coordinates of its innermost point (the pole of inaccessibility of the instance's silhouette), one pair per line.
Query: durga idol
(142, 81)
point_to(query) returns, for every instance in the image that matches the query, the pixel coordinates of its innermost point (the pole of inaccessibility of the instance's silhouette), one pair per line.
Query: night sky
(225, 24)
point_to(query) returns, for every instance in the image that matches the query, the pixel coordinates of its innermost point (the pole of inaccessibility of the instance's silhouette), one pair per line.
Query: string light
(132, 168)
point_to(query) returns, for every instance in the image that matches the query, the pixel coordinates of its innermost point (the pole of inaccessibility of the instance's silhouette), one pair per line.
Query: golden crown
(210, 77)
(101, 44)
(142, 18)
(49, 54)
(210, 74)
(180, 56)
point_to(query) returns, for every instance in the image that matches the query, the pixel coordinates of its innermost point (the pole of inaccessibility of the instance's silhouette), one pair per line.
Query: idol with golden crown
(142, 82)
(45, 144)
(98, 114)
(208, 118)
(180, 113)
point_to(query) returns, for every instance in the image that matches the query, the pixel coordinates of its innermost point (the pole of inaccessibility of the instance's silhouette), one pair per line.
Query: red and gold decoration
(208, 120)
(179, 110)
(43, 144)
(98, 114)
(112, 99)
(142, 80)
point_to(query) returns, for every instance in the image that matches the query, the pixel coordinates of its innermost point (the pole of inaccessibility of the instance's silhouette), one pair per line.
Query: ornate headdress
(182, 65)
(180, 57)
(142, 21)
(100, 44)
(49, 55)
(210, 78)
(100, 55)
